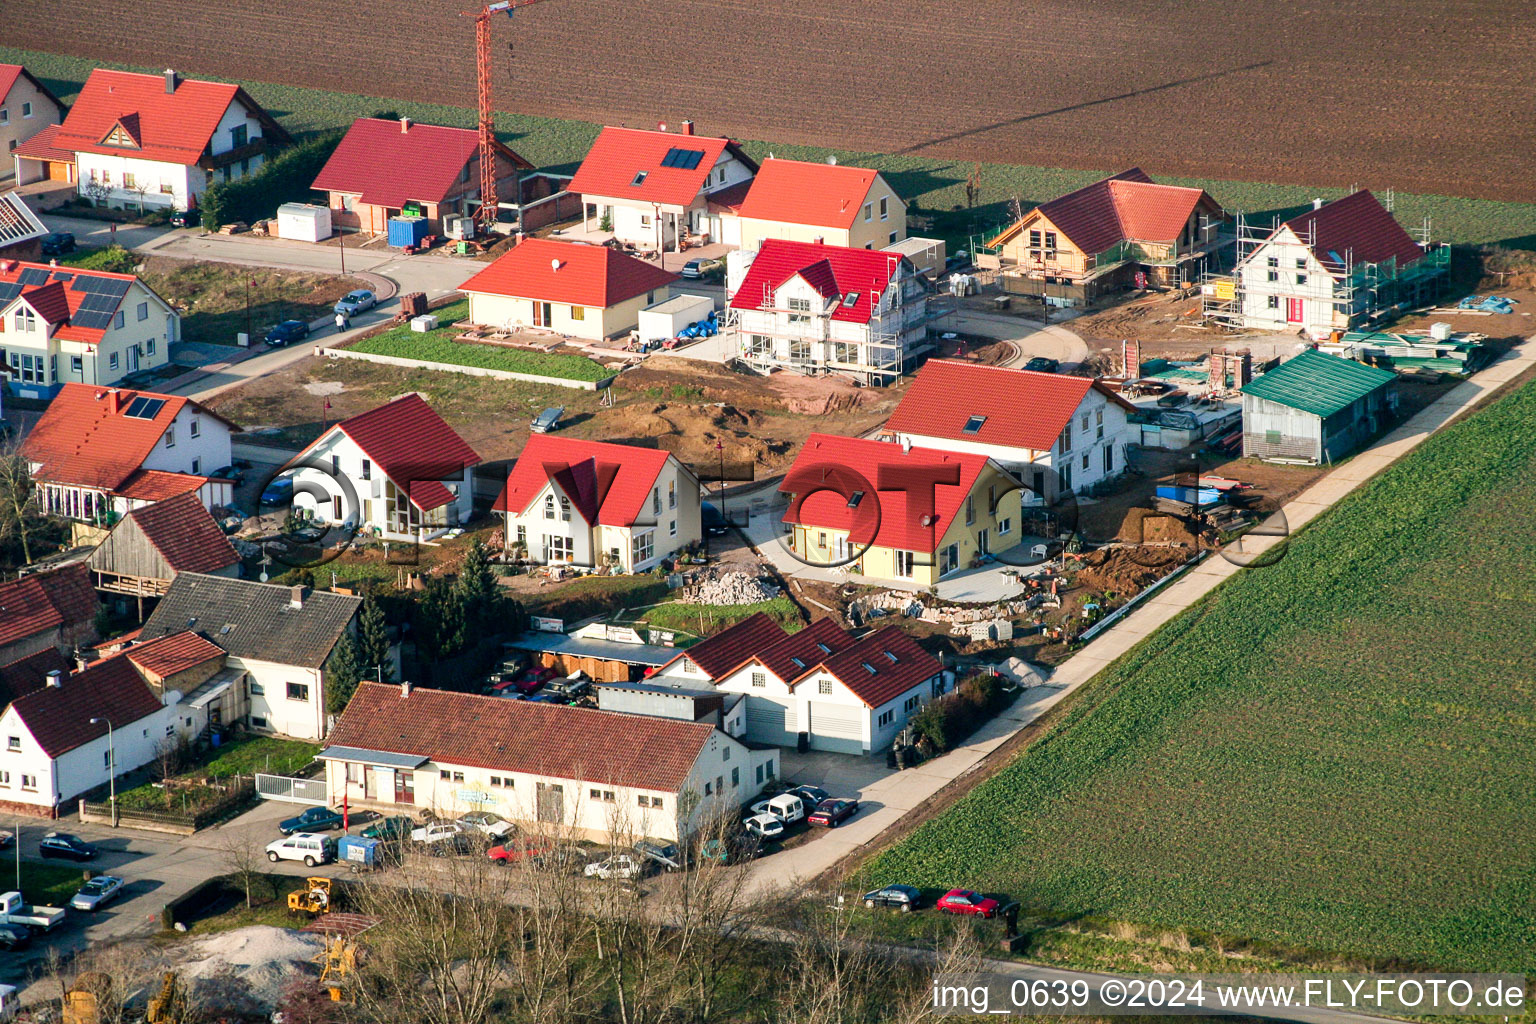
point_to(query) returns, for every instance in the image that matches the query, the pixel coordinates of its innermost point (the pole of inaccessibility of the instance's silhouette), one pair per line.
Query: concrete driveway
(1032, 338)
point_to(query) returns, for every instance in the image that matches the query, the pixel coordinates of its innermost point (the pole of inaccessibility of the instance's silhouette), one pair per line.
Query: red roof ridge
(853, 272)
(391, 161)
(807, 192)
(628, 472)
(613, 165)
(553, 270)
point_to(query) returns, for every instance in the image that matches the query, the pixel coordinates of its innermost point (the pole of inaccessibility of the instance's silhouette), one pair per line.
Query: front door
(1293, 310)
(949, 557)
(405, 787)
(981, 542)
(133, 358)
(370, 782)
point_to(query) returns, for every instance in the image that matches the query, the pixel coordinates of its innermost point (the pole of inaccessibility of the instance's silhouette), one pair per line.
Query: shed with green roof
(1316, 408)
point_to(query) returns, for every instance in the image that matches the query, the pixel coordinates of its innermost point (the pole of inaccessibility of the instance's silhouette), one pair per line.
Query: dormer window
(639, 178)
(25, 320)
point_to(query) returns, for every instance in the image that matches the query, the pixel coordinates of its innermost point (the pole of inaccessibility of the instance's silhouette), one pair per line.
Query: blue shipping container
(359, 852)
(404, 231)
(1208, 495)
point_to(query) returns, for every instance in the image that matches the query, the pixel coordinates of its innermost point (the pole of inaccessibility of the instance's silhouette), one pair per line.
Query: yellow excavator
(314, 898)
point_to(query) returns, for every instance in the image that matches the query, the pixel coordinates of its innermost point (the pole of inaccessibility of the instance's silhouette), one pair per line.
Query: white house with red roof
(1056, 433)
(598, 505)
(1331, 268)
(383, 165)
(582, 291)
(97, 453)
(826, 309)
(1100, 237)
(801, 201)
(26, 108)
(896, 513)
(60, 325)
(398, 471)
(160, 140)
(656, 187)
(842, 692)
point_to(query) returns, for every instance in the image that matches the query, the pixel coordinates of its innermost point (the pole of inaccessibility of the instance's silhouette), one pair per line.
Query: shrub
(284, 178)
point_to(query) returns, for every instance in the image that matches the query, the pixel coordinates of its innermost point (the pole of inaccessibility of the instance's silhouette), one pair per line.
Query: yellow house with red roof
(897, 513)
(801, 201)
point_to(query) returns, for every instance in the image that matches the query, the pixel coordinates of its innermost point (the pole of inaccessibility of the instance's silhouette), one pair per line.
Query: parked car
(389, 829)
(278, 491)
(13, 937)
(310, 847)
(692, 269)
(622, 867)
(548, 420)
(832, 813)
(62, 844)
(460, 844)
(436, 832)
(7, 839)
(713, 520)
(96, 893)
(764, 826)
(355, 302)
(229, 473)
(186, 219)
(287, 332)
(665, 855)
(1040, 364)
(904, 898)
(811, 796)
(19, 914)
(58, 243)
(488, 822)
(311, 819)
(731, 851)
(519, 848)
(787, 807)
(964, 901)
(568, 688)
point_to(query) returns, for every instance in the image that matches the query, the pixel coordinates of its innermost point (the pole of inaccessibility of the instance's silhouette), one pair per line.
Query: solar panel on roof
(33, 275)
(91, 321)
(9, 291)
(682, 159)
(114, 287)
(142, 408)
(61, 276)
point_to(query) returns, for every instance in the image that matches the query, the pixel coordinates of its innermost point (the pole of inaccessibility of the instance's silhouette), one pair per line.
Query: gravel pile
(260, 959)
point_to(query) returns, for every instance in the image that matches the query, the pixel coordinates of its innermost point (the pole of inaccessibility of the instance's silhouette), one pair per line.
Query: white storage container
(303, 222)
(424, 323)
(1440, 332)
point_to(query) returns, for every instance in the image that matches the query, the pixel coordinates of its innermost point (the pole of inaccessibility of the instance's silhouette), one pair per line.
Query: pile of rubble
(731, 588)
(896, 602)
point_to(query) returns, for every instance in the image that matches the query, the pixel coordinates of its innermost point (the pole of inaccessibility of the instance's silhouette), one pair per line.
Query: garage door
(838, 728)
(768, 721)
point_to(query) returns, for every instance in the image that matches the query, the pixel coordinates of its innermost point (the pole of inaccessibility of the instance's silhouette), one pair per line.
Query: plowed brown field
(1422, 95)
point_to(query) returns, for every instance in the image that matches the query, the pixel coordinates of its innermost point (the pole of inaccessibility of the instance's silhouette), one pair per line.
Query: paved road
(891, 798)
(1031, 337)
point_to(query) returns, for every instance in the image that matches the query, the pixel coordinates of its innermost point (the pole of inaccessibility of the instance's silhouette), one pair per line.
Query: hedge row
(285, 178)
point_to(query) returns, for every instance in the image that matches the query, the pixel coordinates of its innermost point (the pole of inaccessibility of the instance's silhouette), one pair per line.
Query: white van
(310, 847)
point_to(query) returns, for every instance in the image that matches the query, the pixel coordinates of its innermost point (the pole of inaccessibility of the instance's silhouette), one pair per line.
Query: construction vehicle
(172, 1005)
(314, 898)
(338, 960)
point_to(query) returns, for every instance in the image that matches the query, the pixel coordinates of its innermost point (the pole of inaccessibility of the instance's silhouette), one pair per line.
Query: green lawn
(705, 620)
(439, 347)
(247, 755)
(930, 184)
(1329, 754)
(49, 885)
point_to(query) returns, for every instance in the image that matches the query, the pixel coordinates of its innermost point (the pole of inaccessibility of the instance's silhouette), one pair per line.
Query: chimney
(687, 127)
(296, 596)
(1317, 204)
(113, 401)
(55, 678)
(171, 79)
(405, 688)
(405, 125)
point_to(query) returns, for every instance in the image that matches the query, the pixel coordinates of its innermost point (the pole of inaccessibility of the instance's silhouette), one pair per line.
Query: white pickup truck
(39, 919)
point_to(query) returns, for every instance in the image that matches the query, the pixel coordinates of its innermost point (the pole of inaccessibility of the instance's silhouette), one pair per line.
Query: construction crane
(488, 201)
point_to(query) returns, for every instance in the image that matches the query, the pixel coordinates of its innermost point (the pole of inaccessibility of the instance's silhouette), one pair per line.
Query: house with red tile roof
(383, 165)
(897, 514)
(653, 189)
(814, 308)
(161, 140)
(98, 453)
(148, 547)
(26, 108)
(841, 691)
(1334, 268)
(1121, 232)
(397, 471)
(597, 505)
(61, 325)
(582, 291)
(804, 201)
(44, 610)
(1056, 433)
(564, 772)
(77, 731)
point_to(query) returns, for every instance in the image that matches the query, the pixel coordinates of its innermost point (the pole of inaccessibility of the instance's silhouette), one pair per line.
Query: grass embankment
(1331, 754)
(48, 885)
(930, 185)
(706, 620)
(439, 347)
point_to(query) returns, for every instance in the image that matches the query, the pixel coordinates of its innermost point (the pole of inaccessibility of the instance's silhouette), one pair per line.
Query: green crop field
(439, 347)
(1331, 754)
(930, 185)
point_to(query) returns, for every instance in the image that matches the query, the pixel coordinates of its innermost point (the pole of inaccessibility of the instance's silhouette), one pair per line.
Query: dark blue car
(287, 332)
(278, 491)
(315, 819)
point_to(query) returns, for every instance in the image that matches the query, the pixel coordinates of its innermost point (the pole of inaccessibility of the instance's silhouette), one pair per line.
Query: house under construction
(1339, 266)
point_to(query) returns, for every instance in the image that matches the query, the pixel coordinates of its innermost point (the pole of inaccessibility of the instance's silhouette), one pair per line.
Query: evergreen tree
(373, 640)
(341, 675)
(478, 595)
(439, 621)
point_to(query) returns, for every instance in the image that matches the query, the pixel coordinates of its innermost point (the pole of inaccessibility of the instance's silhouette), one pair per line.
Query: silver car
(355, 302)
(95, 893)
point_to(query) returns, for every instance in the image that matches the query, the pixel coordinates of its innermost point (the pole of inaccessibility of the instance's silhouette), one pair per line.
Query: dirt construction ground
(1415, 94)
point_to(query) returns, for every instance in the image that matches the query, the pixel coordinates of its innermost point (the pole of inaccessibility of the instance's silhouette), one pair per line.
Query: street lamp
(111, 766)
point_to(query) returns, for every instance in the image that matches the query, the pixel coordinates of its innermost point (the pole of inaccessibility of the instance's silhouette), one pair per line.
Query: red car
(964, 901)
(832, 813)
(518, 849)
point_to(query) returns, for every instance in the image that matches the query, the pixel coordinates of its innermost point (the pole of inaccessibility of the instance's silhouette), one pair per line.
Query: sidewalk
(894, 796)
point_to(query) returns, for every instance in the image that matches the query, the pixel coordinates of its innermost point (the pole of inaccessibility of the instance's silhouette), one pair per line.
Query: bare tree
(96, 191)
(140, 189)
(243, 857)
(19, 516)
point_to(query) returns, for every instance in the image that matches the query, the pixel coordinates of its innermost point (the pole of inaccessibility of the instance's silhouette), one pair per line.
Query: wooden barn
(150, 545)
